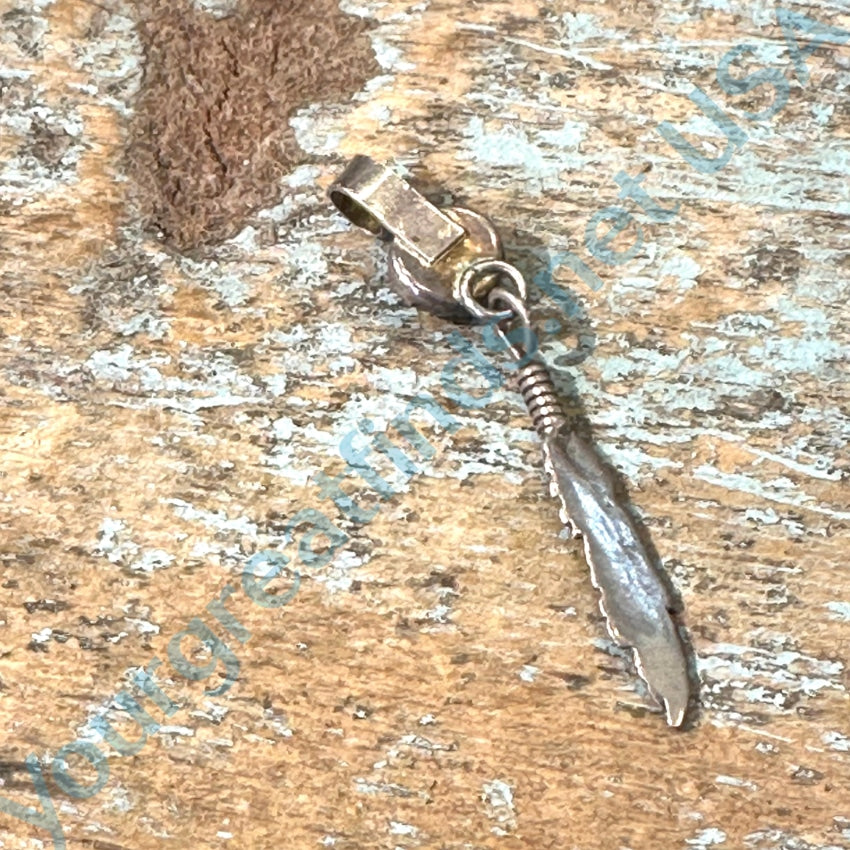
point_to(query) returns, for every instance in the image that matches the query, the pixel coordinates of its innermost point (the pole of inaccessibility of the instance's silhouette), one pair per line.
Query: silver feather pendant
(633, 598)
(448, 262)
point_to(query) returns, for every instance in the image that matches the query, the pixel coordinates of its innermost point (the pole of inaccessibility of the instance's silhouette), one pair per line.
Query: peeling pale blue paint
(839, 610)
(217, 8)
(705, 838)
(510, 146)
(780, 490)
(529, 673)
(498, 797)
(762, 676)
(217, 520)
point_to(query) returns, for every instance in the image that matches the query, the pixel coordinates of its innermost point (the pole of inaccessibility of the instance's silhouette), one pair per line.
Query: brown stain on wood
(212, 135)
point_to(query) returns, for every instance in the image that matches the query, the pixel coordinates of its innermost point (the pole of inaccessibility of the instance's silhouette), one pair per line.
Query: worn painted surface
(445, 681)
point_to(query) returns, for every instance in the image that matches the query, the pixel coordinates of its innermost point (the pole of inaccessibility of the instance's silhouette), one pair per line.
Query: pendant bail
(430, 248)
(374, 197)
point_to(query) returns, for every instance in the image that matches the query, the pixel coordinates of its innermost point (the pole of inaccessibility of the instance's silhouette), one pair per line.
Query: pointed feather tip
(661, 663)
(675, 710)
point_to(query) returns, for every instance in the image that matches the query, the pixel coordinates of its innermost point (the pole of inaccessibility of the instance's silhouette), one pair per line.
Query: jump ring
(464, 288)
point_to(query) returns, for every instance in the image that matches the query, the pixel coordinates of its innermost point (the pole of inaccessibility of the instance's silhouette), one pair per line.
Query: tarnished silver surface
(432, 287)
(635, 602)
(634, 599)
(468, 282)
(374, 197)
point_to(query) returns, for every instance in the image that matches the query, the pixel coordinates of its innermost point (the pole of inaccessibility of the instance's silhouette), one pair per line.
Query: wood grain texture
(446, 680)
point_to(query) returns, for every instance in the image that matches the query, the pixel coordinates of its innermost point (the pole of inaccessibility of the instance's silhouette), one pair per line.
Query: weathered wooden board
(189, 331)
